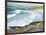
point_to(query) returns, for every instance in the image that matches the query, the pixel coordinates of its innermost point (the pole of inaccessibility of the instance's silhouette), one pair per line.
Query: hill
(32, 27)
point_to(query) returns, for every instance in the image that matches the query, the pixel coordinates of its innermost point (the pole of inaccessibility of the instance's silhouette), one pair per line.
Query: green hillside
(32, 27)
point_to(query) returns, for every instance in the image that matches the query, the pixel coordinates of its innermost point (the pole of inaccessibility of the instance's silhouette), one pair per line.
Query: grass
(32, 27)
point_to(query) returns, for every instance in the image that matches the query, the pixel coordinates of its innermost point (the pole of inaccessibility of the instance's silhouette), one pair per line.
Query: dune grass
(32, 27)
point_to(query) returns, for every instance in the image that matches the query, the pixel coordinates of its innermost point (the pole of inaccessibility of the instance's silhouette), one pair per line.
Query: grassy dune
(32, 27)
